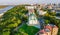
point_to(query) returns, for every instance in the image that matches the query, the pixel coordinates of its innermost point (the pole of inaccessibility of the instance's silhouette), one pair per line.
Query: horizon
(18, 2)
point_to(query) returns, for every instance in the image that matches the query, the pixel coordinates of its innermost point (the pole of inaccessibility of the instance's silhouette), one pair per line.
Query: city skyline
(14, 2)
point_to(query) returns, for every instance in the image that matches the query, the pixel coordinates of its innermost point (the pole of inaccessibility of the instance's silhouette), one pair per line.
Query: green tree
(13, 18)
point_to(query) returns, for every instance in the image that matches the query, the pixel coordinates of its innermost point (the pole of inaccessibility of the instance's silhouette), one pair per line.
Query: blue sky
(11, 2)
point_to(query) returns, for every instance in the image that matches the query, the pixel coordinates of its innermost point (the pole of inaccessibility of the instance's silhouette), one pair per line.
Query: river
(5, 9)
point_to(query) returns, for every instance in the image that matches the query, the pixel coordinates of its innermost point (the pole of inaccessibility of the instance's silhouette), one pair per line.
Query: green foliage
(50, 18)
(13, 18)
(27, 30)
(47, 21)
(5, 33)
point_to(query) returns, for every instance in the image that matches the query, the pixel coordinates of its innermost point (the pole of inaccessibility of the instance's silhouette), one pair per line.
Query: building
(49, 30)
(32, 20)
(48, 27)
(55, 30)
(41, 12)
(30, 7)
(42, 32)
(43, 5)
(53, 10)
(50, 7)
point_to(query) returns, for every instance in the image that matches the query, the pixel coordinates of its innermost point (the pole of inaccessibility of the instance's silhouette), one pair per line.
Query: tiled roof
(48, 27)
(55, 26)
(47, 30)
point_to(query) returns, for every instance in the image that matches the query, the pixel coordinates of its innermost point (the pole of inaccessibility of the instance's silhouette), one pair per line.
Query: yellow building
(55, 30)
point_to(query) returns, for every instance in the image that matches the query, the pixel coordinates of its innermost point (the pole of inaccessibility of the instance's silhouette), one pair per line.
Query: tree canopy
(13, 18)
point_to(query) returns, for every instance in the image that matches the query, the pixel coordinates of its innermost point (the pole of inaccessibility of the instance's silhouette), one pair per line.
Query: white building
(32, 20)
(41, 12)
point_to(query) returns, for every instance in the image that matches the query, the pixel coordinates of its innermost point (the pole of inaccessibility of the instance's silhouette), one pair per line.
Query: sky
(16, 2)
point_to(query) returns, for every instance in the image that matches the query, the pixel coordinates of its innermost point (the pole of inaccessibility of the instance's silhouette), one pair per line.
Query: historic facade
(49, 30)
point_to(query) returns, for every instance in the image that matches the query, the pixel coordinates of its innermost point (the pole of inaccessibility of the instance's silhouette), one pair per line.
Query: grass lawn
(27, 30)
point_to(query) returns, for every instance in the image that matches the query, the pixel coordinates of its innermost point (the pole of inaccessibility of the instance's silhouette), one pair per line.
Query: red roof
(55, 26)
(48, 27)
(43, 32)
